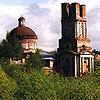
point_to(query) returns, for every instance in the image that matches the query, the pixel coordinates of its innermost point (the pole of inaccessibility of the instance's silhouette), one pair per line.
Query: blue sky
(43, 16)
(21, 2)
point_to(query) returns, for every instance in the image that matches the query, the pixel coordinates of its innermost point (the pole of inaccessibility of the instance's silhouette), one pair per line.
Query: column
(80, 65)
(83, 64)
(85, 29)
(90, 65)
(76, 29)
(75, 67)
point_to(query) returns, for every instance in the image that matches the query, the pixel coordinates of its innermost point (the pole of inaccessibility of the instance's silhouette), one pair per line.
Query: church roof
(23, 31)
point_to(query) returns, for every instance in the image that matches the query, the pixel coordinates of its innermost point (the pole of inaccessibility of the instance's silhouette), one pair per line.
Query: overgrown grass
(35, 85)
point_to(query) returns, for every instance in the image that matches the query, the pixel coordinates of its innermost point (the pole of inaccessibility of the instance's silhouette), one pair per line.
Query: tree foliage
(10, 48)
(16, 83)
(7, 86)
(37, 86)
(34, 61)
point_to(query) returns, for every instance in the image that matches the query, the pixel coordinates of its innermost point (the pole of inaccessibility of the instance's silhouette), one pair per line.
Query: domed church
(25, 36)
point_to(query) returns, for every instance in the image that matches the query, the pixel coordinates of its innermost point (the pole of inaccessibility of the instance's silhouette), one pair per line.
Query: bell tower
(21, 21)
(74, 56)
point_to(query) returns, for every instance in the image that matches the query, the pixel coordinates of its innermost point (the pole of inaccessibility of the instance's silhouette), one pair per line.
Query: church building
(74, 55)
(25, 36)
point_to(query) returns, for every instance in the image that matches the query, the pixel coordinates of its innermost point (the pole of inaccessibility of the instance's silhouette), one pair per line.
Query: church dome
(23, 32)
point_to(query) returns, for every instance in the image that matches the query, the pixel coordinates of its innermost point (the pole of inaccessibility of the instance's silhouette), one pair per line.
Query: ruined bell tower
(74, 55)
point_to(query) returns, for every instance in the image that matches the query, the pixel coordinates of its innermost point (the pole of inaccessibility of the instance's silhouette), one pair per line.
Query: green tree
(10, 49)
(7, 86)
(34, 61)
(37, 86)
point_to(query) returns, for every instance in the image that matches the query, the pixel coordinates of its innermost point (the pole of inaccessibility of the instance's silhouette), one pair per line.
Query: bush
(7, 86)
(37, 86)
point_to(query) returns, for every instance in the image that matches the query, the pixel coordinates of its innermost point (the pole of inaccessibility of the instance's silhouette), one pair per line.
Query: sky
(44, 17)
(20, 2)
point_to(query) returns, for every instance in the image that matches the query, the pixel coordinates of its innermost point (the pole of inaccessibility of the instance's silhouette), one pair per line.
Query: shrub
(7, 86)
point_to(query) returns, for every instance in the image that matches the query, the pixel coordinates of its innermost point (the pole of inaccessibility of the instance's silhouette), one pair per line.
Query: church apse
(74, 55)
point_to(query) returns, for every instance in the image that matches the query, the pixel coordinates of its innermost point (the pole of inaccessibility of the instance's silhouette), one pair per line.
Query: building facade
(74, 55)
(25, 36)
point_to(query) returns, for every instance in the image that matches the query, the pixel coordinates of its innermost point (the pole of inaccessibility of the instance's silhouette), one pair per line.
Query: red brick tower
(74, 56)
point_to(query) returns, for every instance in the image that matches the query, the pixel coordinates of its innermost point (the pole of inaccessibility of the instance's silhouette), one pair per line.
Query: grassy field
(19, 83)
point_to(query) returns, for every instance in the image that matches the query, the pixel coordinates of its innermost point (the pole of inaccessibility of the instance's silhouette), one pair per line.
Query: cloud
(45, 20)
(8, 16)
(6, 23)
(94, 27)
(46, 25)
